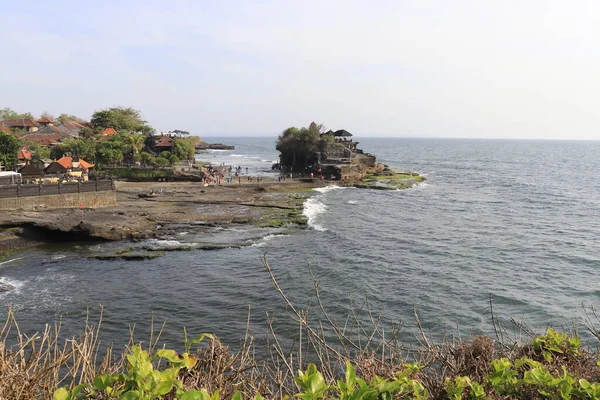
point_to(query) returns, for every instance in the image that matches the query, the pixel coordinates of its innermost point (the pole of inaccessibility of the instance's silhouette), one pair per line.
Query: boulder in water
(5, 287)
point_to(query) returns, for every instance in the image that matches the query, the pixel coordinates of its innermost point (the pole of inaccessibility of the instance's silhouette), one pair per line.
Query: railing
(55, 188)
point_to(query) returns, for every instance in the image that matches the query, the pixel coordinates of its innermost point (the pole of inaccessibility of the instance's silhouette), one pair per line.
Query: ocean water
(513, 220)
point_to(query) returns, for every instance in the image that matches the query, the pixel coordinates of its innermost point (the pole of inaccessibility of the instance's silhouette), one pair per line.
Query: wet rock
(5, 287)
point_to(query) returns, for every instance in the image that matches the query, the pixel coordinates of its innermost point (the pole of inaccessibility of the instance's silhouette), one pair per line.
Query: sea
(503, 235)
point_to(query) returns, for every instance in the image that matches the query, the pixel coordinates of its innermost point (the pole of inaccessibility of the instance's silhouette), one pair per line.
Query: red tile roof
(5, 130)
(163, 141)
(43, 139)
(24, 154)
(45, 121)
(109, 131)
(18, 123)
(85, 164)
(67, 162)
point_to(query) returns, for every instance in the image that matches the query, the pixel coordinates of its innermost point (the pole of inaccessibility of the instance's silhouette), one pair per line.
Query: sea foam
(264, 240)
(313, 208)
(11, 260)
(328, 188)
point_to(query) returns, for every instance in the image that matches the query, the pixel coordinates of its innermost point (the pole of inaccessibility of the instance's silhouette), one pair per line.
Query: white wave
(58, 256)
(11, 260)
(421, 185)
(352, 202)
(313, 208)
(329, 188)
(169, 243)
(264, 240)
(11, 282)
(183, 233)
(238, 155)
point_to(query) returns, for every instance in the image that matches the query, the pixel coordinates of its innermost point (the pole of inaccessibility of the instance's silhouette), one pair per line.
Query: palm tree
(136, 142)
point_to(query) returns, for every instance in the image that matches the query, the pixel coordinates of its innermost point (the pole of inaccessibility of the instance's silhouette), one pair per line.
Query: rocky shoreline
(173, 207)
(148, 210)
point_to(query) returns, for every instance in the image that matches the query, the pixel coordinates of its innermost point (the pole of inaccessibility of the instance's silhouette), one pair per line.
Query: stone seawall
(103, 198)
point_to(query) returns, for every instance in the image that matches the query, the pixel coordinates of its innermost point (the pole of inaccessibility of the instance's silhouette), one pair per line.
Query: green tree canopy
(62, 118)
(9, 146)
(184, 149)
(7, 113)
(300, 148)
(46, 114)
(121, 119)
(161, 162)
(38, 151)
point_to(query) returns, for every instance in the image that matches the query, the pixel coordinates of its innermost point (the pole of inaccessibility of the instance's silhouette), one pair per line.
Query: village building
(23, 155)
(32, 171)
(44, 139)
(163, 143)
(345, 158)
(24, 124)
(49, 130)
(70, 168)
(45, 122)
(71, 128)
(109, 131)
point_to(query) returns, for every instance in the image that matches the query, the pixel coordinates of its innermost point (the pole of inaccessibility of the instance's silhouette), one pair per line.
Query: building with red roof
(163, 143)
(25, 124)
(45, 122)
(109, 131)
(23, 155)
(44, 139)
(66, 164)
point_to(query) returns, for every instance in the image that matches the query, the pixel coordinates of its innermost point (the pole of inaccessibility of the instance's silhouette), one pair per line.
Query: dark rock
(5, 287)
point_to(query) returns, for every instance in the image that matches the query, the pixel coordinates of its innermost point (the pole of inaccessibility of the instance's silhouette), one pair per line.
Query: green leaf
(61, 394)
(189, 361)
(192, 395)
(131, 396)
(103, 381)
(189, 343)
(237, 396)
(350, 376)
(170, 355)
(78, 391)
(584, 384)
(164, 387)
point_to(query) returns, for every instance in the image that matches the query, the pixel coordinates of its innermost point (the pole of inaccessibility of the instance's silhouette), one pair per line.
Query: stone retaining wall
(103, 198)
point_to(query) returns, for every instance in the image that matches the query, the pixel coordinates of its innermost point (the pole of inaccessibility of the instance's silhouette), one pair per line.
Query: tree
(146, 158)
(299, 148)
(184, 149)
(173, 159)
(113, 150)
(62, 118)
(9, 146)
(161, 162)
(7, 113)
(45, 114)
(121, 119)
(136, 142)
(110, 155)
(38, 151)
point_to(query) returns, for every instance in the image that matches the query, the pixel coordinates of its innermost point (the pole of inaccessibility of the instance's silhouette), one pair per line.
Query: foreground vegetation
(366, 364)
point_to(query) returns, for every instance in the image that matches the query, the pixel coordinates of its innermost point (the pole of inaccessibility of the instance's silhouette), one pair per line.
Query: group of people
(225, 174)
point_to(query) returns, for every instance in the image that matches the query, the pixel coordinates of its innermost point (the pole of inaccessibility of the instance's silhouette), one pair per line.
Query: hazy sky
(486, 69)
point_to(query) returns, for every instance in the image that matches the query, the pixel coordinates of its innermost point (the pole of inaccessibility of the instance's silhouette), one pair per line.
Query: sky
(470, 69)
